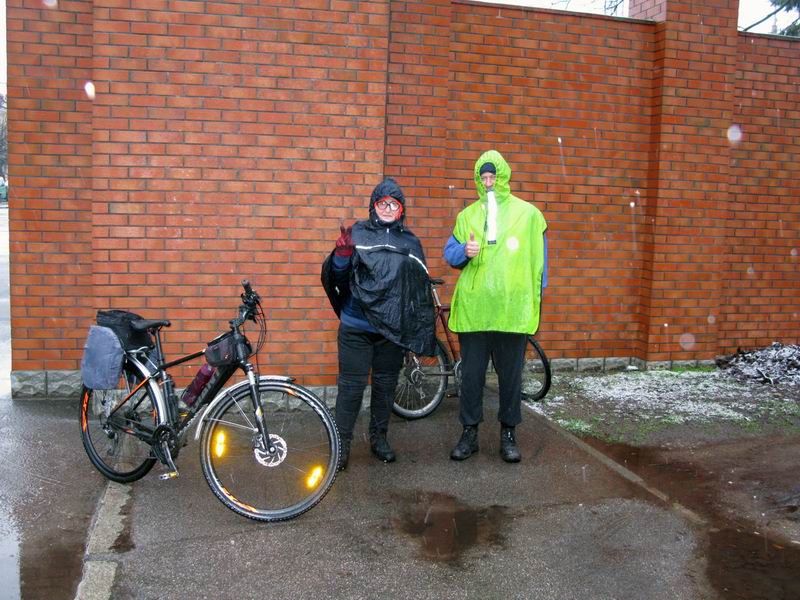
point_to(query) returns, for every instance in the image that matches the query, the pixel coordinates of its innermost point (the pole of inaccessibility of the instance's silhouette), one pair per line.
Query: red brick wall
(696, 61)
(228, 140)
(654, 10)
(50, 167)
(761, 270)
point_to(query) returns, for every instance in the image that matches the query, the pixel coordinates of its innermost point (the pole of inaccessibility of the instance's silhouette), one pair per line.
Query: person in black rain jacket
(378, 284)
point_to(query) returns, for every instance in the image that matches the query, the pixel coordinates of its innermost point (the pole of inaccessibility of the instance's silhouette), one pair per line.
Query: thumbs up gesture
(473, 248)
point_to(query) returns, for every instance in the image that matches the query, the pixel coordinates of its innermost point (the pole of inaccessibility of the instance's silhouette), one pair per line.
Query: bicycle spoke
(250, 428)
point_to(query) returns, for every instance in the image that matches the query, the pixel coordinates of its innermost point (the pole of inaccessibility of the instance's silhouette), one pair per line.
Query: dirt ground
(728, 450)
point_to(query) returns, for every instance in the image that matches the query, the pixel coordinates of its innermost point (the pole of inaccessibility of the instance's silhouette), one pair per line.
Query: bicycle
(269, 448)
(423, 379)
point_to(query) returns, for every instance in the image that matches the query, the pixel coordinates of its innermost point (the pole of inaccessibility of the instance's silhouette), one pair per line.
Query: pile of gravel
(774, 364)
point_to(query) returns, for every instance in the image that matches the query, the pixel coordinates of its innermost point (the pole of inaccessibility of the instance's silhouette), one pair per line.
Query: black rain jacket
(388, 278)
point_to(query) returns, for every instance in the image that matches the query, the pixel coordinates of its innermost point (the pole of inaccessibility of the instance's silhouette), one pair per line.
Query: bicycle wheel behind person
(377, 282)
(499, 245)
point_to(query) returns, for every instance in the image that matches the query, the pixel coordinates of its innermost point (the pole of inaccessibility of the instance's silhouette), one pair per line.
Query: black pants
(360, 351)
(509, 357)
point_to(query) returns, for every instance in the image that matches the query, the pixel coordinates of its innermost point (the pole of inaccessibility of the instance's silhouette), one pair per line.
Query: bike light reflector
(314, 478)
(219, 444)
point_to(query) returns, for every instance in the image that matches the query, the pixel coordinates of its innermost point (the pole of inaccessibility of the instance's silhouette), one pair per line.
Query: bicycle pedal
(168, 475)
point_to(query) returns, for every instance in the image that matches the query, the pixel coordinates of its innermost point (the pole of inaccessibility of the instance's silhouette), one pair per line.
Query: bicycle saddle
(145, 324)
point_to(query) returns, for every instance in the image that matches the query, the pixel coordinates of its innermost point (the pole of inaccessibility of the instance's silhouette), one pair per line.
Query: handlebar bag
(101, 365)
(120, 322)
(227, 349)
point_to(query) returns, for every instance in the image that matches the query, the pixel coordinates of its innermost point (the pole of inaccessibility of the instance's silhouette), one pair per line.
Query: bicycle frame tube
(454, 353)
(443, 312)
(163, 412)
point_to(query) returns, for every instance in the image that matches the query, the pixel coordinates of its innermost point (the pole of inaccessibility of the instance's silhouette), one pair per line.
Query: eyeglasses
(392, 205)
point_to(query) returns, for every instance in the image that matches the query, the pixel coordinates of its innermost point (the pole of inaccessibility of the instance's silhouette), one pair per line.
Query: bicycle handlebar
(249, 306)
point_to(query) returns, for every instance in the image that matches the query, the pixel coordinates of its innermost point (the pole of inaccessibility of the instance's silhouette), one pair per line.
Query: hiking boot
(467, 445)
(508, 445)
(344, 454)
(380, 447)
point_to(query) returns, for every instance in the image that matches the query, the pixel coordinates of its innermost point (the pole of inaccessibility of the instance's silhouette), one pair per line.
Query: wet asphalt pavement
(564, 523)
(558, 525)
(48, 492)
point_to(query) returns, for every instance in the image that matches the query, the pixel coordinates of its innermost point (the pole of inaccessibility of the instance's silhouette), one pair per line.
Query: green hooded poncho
(501, 288)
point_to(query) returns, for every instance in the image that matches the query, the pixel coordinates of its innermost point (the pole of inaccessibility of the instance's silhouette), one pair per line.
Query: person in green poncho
(500, 246)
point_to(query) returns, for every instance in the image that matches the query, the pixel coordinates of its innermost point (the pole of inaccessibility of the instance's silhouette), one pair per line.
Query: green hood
(502, 185)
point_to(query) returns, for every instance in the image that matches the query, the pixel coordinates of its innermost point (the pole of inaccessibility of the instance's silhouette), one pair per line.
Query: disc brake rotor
(272, 460)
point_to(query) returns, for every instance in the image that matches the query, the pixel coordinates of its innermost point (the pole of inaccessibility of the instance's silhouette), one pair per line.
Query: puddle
(445, 528)
(9, 556)
(742, 564)
(124, 541)
(51, 566)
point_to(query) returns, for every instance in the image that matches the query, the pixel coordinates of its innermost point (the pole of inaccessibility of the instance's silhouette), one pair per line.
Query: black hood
(387, 187)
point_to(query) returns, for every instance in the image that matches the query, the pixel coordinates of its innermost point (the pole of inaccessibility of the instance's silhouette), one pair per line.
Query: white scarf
(491, 218)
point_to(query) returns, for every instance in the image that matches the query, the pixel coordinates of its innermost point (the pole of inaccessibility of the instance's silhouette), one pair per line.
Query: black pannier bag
(227, 349)
(120, 322)
(101, 365)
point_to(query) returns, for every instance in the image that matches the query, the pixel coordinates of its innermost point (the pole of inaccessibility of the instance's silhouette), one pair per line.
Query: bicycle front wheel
(114, 434)
(536, 375)
(422, 383)
(245, 476)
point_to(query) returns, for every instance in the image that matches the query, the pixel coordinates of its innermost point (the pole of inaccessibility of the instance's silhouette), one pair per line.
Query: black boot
(467, 445)
(508, 445)
(344, 454)
(380, 446)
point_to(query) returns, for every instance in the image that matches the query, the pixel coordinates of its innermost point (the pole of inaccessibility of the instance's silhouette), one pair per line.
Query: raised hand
(344, 245)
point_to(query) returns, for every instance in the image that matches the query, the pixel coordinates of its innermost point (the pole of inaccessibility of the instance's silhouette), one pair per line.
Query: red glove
(344, 245)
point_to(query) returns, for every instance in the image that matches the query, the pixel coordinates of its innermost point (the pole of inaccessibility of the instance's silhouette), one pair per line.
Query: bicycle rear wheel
(422, 383)
(536, 374)
(249, 480)
(108, 435)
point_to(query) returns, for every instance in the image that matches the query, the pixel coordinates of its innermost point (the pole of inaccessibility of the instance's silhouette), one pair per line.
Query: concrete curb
(98, 576)
(617, 468)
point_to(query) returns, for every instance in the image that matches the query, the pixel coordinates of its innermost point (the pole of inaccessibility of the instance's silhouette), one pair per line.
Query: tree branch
(784, 6)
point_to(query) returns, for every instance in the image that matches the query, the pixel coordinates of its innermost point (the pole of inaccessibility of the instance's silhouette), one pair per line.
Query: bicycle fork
(265, 442)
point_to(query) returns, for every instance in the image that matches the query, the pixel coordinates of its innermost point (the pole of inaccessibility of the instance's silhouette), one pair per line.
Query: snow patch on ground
(680, 397)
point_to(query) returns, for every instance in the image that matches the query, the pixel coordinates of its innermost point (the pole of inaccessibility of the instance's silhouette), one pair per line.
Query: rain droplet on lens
(734, 134)
(712, 319)
(751, 271)
(687, 341)
(794, 252)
